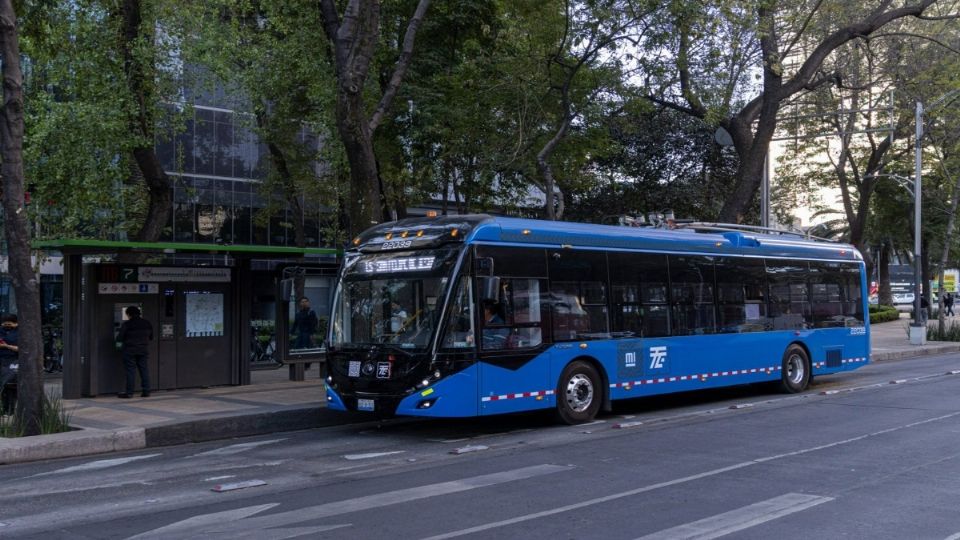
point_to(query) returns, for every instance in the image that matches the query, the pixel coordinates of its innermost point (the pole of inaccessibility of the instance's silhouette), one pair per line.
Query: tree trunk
(366, 206)
(945, 254)
(354, 40)
(139, 83)
(17, 229)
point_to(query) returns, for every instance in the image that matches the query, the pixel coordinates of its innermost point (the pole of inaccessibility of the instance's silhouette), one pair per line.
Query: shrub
(879, 314)
(951, 332)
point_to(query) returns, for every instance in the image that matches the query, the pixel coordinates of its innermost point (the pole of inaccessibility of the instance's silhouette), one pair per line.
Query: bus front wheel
(579, 393)
(795, 370)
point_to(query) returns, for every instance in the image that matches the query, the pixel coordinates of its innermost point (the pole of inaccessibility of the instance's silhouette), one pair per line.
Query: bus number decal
(858, 331)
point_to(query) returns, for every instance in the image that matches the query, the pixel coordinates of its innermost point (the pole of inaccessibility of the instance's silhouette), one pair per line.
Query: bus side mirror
(286, 289)
(483, 266)
(489, 288)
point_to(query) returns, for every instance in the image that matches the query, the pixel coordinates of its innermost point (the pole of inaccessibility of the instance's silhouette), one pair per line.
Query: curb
(84, 442)
(913, 353)
(70, 444)
(244, 425)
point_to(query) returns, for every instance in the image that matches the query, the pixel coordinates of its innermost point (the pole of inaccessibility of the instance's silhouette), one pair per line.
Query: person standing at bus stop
(304, 325)
(9, 358)
(135, 336)
(948, 304)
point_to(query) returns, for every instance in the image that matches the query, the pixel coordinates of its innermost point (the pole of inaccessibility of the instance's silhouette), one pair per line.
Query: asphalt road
(854, 457)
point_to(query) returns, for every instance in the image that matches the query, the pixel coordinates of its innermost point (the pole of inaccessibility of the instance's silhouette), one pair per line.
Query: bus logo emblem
(657, 356)
(630, 359)
(383, 370)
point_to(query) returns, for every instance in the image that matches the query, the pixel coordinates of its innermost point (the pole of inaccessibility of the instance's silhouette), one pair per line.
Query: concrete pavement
(270, 404)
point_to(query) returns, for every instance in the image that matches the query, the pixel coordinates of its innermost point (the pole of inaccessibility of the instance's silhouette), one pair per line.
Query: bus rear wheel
(579, 393)
(795, 370)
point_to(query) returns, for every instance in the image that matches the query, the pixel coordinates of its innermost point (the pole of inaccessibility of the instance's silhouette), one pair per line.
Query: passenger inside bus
(493, 337)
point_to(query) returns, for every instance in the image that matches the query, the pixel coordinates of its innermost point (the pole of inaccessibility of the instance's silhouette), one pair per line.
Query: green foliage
(951, 332)
(54, 418)
(880, 314)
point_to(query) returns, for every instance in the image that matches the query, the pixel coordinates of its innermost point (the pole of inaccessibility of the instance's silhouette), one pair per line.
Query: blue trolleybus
(476, 315)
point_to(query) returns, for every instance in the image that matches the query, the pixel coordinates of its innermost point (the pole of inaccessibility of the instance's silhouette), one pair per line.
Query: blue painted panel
(528, 388)
(454, 396)
(333, 400)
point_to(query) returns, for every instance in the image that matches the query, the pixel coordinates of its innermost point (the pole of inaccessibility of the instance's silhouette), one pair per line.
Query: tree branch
(920, 36)
(861, 29)
(403, 62)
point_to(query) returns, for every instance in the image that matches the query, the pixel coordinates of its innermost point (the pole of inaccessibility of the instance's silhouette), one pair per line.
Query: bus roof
(483, 228)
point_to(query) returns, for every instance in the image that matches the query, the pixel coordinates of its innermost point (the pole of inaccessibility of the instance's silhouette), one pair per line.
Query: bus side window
(742, 295)
(789, 295)
(514, 322)
(852, 297)
(692, 285)
(459, 333)
(638, 290)
(578, 292)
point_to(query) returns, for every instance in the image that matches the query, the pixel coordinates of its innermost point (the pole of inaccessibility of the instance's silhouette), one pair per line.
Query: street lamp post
(912, 187)
(918, 330)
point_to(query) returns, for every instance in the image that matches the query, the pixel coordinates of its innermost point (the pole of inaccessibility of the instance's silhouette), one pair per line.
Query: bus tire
(579, 393)
(795, 370)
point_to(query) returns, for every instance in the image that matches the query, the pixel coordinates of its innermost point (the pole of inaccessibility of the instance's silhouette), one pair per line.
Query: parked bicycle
(52, 349)
(262, 347)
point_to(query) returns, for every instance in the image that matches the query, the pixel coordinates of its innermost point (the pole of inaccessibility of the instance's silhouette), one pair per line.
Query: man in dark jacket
(9, 360)
(134, 338)
(304, 325)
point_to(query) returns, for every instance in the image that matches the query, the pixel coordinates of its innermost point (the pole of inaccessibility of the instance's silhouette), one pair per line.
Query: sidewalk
(272, 403)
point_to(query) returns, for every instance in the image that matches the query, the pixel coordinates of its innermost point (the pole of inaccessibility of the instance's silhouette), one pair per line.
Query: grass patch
(54, 418)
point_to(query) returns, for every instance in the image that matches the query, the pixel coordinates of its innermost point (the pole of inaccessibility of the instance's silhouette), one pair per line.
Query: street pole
(918, 331)
(765, 191)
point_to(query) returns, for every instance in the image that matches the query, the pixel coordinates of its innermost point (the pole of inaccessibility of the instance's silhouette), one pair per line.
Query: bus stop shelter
(198, 297)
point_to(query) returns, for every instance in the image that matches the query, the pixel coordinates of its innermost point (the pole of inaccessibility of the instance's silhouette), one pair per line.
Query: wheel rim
(579, 392)
(796, 369)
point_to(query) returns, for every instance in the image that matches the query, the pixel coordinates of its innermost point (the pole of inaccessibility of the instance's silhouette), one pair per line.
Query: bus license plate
(364, 404)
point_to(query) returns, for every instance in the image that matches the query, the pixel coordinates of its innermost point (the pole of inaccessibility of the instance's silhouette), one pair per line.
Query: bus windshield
(391, 299)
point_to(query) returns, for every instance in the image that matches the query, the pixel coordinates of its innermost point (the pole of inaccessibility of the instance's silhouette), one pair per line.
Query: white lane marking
(739, 519)
(215, 478)
(221, 488)
(236, 448)
(953, 537)
(237, 523)
(354, 457)
(468, 449)
(676, 481)
(100, 464)
(238, 520)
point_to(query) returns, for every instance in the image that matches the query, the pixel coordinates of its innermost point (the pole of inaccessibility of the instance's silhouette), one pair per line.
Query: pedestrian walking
(135, 336)
(9, 361)
(924, 309)
(948, 304)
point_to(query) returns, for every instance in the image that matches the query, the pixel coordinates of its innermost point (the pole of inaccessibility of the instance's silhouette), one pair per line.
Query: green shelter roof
(101, 246)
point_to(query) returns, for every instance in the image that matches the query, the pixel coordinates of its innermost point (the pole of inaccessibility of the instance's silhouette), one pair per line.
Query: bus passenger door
(514, 359)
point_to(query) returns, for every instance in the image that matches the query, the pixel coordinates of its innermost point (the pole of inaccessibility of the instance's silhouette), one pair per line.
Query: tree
(772, 36)
(137, 47)
(589, 31)
(354, 40)
(255, 49)
(16, 226)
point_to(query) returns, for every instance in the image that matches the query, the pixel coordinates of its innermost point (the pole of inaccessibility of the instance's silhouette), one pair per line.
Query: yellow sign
(950, 282)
